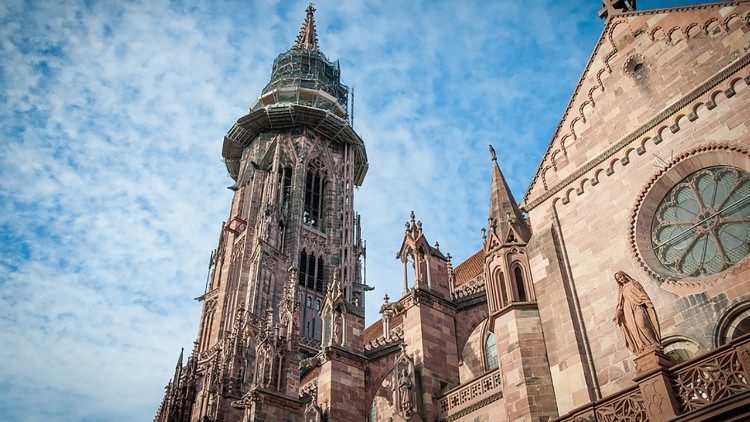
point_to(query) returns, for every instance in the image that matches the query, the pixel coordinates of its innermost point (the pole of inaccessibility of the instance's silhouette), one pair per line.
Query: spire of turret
(504, 211)
(178, 367)
(308, 36)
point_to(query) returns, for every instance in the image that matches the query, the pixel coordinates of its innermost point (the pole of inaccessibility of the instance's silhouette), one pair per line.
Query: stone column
(427, 269)
(659, 398)
(406, 275)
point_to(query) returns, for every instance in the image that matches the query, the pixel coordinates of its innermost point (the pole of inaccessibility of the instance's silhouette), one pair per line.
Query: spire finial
(308, 36)
(492, 153)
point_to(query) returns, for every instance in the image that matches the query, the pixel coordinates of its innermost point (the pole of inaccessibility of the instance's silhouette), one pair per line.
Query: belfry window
(313, 199)
(490, 352)
(285, 186)
(311, 272)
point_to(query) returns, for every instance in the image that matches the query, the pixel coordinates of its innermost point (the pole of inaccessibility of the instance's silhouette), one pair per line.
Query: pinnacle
(503, 207)
(308, 36)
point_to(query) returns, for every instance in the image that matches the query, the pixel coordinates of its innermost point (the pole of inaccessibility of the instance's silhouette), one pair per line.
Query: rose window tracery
(702, 226)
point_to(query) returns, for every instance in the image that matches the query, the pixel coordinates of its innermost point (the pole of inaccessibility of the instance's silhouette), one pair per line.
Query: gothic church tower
(291, 231)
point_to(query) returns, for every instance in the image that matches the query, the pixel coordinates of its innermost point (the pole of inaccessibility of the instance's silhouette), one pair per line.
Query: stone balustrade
(718, 378)
(464, 396)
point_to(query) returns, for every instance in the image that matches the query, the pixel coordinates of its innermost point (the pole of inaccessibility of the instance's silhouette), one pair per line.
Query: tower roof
(305, 67)
(308, 36)
(504, 211)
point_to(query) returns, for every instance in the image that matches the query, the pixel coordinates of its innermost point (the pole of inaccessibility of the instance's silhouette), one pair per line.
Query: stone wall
(689, 103)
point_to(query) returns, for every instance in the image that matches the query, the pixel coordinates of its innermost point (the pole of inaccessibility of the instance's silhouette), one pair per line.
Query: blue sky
(112, 189)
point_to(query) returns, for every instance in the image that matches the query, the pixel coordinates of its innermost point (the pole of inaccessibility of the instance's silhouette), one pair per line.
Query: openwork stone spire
(308, 36)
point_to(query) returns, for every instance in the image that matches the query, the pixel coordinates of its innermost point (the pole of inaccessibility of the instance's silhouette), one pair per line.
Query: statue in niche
(337, 337)
(263, 377)
(405, 386)
(635, 315)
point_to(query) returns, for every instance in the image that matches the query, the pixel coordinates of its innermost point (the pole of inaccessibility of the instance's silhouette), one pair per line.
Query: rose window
(702, 226)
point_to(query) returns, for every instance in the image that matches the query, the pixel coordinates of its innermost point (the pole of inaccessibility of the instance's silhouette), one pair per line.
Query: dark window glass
(520, 286)
(313, 199)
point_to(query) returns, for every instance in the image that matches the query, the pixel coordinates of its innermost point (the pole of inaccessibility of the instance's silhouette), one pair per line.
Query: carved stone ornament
(635, 315)
(313, 412)
(404, 382)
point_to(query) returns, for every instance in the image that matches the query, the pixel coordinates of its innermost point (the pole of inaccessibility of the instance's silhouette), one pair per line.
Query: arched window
(317, 305)
(311, 274)
(490, 352)
(320, 283)
(313, 199)
(740, 327)
(681, 349)
(503, 290)
(520, 286)
(733, 324)
(309, 302)
(302, 274)
(285, 187)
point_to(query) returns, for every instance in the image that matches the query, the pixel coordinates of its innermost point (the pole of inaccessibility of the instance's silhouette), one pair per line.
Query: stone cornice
(375, 354)
(286, 116)
(471, 301)
(683, 8)
(650, 125)
(421, 296)
(342, 355)
(514, 306)
(262, 395)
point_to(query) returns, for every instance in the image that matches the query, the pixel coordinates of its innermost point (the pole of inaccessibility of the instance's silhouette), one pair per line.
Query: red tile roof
(470, 268)
(374, 331)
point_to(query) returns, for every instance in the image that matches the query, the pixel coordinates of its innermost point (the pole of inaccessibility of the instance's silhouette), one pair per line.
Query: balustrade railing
(704, 381)
(474, 391)
(715, 376)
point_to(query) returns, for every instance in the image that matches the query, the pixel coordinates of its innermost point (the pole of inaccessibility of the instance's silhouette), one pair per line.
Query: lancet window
(285, 187)
(490, 352)
(311, 272)
(314, 186)
(520, 285)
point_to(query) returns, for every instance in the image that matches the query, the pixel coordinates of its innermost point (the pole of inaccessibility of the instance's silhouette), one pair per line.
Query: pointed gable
(641, 56)
(505, 217)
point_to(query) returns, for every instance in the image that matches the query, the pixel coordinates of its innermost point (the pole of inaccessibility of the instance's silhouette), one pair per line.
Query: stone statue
(262, 373)
(337, 337)
(404, 391)
(635, 315)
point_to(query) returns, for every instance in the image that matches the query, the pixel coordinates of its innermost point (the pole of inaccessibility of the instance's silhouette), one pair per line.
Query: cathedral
(617, 289)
